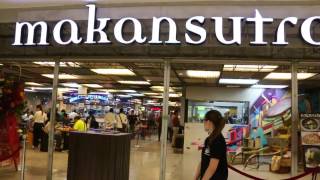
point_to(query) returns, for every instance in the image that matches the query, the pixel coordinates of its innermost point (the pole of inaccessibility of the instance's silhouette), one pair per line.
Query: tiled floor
(144, 165)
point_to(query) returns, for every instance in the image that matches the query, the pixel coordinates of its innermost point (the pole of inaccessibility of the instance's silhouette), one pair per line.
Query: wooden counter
(98, 156)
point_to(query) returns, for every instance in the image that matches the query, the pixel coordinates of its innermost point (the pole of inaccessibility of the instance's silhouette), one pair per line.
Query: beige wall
(223, 94)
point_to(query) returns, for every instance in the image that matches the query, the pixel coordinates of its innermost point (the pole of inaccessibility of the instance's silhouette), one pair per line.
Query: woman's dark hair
(218, 121)
(40, 108)
(111, 110)
(121, 110)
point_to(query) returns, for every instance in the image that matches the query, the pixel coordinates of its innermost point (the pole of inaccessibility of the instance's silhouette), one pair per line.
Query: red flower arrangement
(12, 100)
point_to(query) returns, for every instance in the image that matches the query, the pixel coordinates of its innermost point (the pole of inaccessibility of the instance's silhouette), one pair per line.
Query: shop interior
(255, 100)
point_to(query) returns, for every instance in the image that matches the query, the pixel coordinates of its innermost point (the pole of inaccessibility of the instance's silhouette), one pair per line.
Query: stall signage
(193, 25)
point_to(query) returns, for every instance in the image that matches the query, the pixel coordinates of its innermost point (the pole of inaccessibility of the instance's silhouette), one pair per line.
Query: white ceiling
(6, 4)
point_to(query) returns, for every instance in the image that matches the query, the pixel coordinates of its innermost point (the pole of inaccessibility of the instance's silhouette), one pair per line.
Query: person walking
(122, 121)
(213, 163)
(110, 119)
(39, 119)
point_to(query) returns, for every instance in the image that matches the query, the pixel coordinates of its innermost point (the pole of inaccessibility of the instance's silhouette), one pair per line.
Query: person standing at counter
(91, 120)
(38, 119)
(110, 119)
(122, 121)
(213, 163)
(79, 124)
(132, 118)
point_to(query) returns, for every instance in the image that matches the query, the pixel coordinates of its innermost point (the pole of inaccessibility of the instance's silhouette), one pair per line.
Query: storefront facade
(167, 34)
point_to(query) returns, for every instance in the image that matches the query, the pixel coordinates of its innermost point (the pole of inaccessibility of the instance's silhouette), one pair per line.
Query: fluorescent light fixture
(61, 76)
(135, 82)
(29, 90)
(238, 81)
(119, 72)
(67, 89)
(202, 74)
(93, 85)
(124, 96)
(287, 76)
(160, 88)
(137, 94)
(261, 86)
(157, 97)
(41, 88)
(99, 92)
(120, 90)
(62, 64)
(175, 95)
(73, 85)
(1, 64)
(249, 68)
(33, 84)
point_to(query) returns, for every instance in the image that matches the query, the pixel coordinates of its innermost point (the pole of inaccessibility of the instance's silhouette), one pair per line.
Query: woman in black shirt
(213, 165)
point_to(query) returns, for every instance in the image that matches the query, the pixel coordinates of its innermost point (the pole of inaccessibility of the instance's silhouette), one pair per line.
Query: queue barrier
(313, 172)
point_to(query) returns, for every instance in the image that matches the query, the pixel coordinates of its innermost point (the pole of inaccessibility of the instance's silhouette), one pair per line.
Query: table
(98, 156)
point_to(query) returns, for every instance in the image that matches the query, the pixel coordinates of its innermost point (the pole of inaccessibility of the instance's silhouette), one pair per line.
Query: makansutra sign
(99, 26)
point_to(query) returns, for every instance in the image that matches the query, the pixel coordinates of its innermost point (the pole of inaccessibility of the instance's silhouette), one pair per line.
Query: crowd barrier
(313, 172)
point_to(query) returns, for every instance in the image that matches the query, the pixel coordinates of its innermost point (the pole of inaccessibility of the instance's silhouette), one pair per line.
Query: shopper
(122, 121)
(170, 131)
(91, 121)
(73, 114)
(38, 123)
(132, 118)
(175, 126)
(213, 163)
(110, 119)
(159, 122)
(79, 124)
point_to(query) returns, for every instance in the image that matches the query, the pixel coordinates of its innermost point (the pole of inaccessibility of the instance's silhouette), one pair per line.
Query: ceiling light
(98, 92)
(124, 96)
(135, 82)
(61, 76)
(62, 64)
(287, 76)
(151, 94)
(238, 81)
(1, 64)
(73, 85)
(120, 90)
(249, 68)
(41, 88)
(93, 85)
(137, 95)
(29, 90)
(175, 95)
(67, 89)
(120, 72)
(261, 86)
(33, 84)
(202, 74)
(160, 88)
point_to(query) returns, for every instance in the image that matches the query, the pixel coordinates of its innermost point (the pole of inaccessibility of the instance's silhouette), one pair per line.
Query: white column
(165, 117)
(52, 120)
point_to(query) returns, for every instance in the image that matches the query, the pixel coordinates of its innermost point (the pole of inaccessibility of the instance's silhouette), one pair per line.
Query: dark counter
(98, 156)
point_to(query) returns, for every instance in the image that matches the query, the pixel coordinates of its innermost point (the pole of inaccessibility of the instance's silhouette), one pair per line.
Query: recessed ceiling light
(261, 86)
(119, 72)
(33, 84)
(202, 74)
(120, 90)
(135, 82)
(137, 94)
(249, 68)
(287, 76)
(160, 88)
(61, 76)
(1, 64)
(41, 88)
(93, 85)
(66, 89)
(73, 85)
(124, 96)
(62, 64)
(238, 81)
